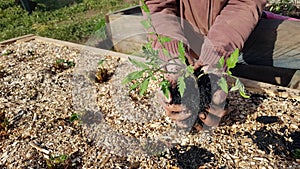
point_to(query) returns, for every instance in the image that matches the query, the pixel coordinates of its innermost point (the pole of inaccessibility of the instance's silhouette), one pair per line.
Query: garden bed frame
(251, 85)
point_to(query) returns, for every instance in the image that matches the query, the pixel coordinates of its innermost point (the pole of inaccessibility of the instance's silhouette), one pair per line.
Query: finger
(178, 116)
(211, 120)
(202, 115)
(198, 127)
(217, 111)
(198, 64)
(162, 99)
(172, 78)
(175, 107)
(219, 97)
(181, 124)
(212, 116)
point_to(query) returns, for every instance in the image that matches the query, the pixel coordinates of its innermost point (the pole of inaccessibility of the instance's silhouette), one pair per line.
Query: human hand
(178, 113)
(212, 115)
(183, 111)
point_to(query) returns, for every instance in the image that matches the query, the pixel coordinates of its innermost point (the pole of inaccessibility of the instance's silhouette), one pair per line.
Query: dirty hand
(212, 115)
(176, 112)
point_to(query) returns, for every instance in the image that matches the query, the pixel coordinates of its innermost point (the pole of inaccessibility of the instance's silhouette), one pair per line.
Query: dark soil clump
(197, 95)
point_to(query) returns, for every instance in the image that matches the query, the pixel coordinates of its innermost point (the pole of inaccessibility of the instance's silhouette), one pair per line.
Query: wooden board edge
(88, 48)
(122, 10)
(270, 89)
(20, 38)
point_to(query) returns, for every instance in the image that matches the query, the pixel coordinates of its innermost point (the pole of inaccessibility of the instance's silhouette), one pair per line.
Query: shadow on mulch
(269, 141)
(191, 157)
(233, 117)
(90, 117)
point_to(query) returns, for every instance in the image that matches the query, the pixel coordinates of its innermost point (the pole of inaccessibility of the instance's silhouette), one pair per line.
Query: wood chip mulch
(55, 112)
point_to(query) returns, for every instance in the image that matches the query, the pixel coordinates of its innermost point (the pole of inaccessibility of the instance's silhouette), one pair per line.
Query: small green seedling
(63, 64)
(30, 53)
(59, 161)
(74, 117)
(296, 154)
(7, 52)
(101, 62)
(4, 123)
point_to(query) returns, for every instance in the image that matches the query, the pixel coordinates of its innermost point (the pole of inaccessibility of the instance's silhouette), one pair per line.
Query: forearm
(164, 18)
(233, 26)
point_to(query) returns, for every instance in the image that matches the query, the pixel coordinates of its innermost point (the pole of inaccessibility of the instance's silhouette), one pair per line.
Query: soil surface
(61, 108)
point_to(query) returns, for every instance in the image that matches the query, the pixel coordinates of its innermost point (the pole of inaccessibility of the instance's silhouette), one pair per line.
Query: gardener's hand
(207, 62)
(180, 113)
(213, 114)
(176, 112)
(210, 116)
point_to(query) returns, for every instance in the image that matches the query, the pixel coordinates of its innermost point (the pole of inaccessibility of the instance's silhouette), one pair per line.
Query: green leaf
(149, 51)
(166, 52)
(242, 91)
(63, 158)
(221, 62)
(240, 86)
(277, 9)
(243, 94)
(101, 61)
(233, 59)
(138, 63)
(190, 69)
(234, 88)
(153, 78)
(70, 64)
(74, 117)
(164, 87)
(165, 39)
(8, 52)
(181, 51)
(223, 84)
(144, 86)
(146, 24)
(145, 7)
(60, 61)
(229, 72)
(181, 85)
(133, 76)
(296, 153)
(237, 86)
(134, 86)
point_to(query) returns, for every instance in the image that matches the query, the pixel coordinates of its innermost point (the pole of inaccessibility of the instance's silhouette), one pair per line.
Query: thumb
(162, 99)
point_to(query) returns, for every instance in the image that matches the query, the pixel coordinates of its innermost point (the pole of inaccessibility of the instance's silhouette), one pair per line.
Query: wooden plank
(20, 38)
(87, 48)
(126, 38)
(272, 90)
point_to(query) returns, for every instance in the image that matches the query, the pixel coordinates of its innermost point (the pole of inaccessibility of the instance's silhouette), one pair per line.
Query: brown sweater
(226, 23)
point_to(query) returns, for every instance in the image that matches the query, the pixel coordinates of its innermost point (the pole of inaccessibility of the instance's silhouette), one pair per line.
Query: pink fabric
(271, 15)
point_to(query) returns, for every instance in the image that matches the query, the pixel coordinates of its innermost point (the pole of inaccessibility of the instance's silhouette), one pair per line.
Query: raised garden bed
(58, 110)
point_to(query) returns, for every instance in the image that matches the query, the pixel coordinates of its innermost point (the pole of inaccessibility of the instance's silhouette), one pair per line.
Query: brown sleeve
(165, 19)
(232, 27)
